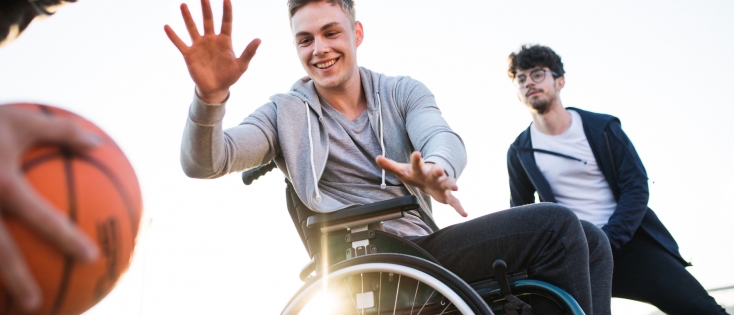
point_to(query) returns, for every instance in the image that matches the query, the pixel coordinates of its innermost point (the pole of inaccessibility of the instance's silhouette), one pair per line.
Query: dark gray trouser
(644, 271)
(546, 239)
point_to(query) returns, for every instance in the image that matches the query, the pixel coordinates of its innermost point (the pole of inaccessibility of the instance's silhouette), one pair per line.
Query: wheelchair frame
(352, 248)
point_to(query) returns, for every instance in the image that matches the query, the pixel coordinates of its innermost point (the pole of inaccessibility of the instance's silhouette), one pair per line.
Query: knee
(594, 234)
(597, 239)
(559, 212)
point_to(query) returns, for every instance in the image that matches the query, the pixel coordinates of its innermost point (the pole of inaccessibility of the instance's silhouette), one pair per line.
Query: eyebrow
(323, 28)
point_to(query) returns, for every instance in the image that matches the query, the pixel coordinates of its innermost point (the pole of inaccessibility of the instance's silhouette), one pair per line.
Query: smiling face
(326, 42)
(539, 96)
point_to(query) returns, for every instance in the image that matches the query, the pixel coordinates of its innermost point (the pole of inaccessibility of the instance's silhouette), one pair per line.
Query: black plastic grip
(251, 175)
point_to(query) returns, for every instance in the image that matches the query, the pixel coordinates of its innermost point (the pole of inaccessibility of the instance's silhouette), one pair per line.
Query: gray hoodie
(289, 130)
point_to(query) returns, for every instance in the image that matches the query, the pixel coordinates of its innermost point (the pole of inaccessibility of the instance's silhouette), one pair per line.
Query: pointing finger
(189, 21)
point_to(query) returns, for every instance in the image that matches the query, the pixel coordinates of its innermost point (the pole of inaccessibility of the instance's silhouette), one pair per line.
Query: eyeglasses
(537, 75)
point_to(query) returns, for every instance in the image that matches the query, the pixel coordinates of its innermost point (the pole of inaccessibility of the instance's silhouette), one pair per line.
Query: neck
(553, 122)
(348, 98)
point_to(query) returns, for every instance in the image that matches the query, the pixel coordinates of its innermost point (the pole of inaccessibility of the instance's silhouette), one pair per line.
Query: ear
(358, 32)
(560, 83)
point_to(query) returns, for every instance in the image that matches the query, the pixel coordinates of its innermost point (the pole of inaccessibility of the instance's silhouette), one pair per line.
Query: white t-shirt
(578, 185)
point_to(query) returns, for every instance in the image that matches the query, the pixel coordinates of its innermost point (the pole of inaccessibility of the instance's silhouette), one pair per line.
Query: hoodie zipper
(529, 177)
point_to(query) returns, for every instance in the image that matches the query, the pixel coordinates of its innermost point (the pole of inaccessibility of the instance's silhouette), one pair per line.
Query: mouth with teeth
(326, 64)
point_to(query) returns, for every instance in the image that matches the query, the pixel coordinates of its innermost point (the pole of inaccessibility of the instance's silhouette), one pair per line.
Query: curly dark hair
(535, 56)
(15, 15)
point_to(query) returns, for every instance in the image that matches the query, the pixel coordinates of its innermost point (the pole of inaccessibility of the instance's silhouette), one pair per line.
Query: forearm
(202, 147)
(208, 151)
(631, 182)
(446, 149)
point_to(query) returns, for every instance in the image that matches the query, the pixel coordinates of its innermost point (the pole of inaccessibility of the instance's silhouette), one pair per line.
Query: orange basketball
(97, 189)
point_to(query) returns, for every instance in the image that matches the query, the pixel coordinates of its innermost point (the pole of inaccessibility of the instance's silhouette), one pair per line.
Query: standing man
(584, 161)
(337, 131)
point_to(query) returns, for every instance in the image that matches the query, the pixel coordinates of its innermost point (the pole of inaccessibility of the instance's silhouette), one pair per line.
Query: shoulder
(522, 140)
(596, 121)
(392, 84)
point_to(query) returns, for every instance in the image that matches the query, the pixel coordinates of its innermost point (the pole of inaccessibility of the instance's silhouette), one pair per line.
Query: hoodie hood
(305, 91)
(412, 122)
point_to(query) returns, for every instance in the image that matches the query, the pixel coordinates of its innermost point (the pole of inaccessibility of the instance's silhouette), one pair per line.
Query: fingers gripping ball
(97, 190)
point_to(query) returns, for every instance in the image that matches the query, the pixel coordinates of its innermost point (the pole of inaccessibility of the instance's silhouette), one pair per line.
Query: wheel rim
(457, 295)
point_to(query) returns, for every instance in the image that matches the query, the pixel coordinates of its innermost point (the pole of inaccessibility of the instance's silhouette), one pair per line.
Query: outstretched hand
(211, 61)
(430, 178)
(20, 130)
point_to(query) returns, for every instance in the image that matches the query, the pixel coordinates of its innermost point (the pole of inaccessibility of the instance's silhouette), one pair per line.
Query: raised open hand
(212, 63)
(429, 177)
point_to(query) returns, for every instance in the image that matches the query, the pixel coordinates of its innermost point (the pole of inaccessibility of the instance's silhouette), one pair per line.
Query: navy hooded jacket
(622, 169)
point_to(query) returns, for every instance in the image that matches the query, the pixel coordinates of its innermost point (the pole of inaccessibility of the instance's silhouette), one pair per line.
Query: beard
(541, 105)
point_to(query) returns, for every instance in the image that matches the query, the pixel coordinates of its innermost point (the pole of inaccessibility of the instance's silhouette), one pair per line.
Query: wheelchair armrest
(364, 214)
(307, 270)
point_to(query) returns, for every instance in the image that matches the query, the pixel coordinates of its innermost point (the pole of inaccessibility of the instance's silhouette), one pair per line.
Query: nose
(320, 47)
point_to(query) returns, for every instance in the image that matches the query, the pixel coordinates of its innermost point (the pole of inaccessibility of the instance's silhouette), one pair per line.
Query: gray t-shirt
(352, 175)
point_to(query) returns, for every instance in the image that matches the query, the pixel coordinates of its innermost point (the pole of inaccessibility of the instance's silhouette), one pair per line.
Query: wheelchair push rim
(458, 293)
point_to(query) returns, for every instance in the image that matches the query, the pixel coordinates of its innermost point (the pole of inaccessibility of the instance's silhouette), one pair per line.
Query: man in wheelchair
(346, 136)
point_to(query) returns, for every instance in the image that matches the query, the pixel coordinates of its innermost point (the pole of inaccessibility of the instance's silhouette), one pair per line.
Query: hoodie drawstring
(382, 142)
(310, 142)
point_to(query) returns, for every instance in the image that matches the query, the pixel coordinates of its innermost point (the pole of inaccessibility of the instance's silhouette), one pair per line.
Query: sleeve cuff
(203, 113)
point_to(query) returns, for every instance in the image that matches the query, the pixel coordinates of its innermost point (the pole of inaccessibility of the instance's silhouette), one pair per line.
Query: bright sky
(219, 247)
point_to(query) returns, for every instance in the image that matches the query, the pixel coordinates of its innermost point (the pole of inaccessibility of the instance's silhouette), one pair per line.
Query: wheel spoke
(447, 307)
(361, 296)
(412, 305)
(395, 307)
(350, 295)
(426, 302)
(444, 297)
(379, 295)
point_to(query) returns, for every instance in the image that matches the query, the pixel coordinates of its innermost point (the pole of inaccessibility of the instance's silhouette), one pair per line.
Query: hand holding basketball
(21, 129)
(53, 197)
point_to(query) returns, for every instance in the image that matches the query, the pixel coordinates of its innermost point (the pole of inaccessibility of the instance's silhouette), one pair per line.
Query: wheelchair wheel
(387, 284)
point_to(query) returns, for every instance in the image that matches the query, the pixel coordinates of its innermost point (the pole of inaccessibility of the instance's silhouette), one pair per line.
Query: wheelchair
(357, 269)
